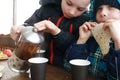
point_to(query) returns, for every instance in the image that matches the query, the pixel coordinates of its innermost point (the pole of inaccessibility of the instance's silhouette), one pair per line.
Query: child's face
(74, 8)
(106, 12)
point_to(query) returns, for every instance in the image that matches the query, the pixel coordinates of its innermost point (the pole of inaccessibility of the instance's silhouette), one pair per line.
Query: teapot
(27, 45)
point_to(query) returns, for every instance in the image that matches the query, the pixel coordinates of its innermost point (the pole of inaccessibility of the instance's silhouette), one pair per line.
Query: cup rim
(38, 60)
(79, 62)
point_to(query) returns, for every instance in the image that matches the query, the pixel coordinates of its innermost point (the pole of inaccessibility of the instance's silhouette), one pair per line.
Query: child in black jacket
(60, 21)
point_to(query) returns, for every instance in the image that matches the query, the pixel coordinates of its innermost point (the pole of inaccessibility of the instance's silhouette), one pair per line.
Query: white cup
(38, 68)
(79, 69)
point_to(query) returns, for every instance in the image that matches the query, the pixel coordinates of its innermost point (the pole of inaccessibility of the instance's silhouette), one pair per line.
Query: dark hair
(98, 3)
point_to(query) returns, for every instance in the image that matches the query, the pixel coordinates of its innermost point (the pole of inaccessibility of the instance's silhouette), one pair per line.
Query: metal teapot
(31, 34)
(27, 45)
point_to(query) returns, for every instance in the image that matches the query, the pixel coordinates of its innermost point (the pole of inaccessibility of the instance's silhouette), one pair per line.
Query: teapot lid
(32, 35)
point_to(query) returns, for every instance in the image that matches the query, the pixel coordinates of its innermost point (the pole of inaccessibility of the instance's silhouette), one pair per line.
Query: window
(15, 12)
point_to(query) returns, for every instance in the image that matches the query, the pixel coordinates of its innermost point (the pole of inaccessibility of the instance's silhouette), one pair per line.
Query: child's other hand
(114, 27)
(15, 32)
(85, 32)
(47, 26)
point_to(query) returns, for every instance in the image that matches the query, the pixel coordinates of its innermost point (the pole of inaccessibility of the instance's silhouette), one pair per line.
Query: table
(53, 73)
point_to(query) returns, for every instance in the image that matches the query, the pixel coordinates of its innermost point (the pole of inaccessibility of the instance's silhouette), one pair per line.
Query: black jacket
(51, 9)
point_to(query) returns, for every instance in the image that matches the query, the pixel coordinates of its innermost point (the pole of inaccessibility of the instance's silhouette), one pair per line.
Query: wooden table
(53, 73)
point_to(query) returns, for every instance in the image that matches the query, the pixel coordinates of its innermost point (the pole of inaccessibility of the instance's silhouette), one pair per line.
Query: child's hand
(15, 32)
(47, 26)
(85, 32)
(114, 27)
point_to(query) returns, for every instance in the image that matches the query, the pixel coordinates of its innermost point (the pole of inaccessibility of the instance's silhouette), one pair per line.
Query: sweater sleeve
(76, 51)
(113, 62)
(64, 39)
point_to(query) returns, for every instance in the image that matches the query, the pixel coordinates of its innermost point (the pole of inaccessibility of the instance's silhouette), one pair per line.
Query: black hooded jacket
(56, 45)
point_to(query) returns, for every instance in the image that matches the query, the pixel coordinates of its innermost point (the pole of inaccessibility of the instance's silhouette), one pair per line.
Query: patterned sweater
(107, 67)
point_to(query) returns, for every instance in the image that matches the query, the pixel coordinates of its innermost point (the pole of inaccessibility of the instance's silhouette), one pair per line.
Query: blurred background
(15, 12)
